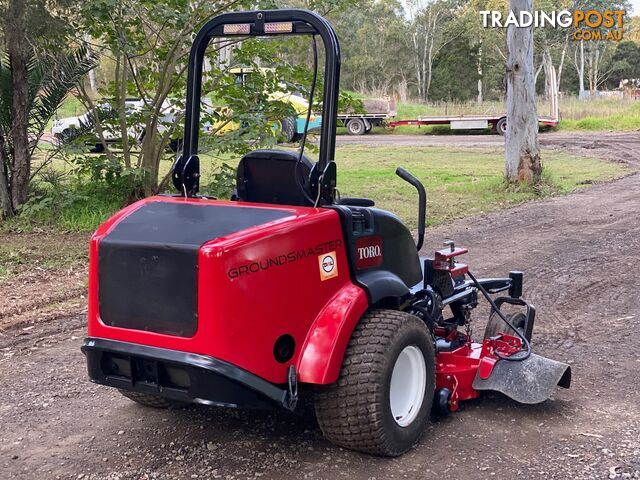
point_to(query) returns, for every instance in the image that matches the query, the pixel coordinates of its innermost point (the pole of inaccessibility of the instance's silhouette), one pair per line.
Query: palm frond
(53, 78)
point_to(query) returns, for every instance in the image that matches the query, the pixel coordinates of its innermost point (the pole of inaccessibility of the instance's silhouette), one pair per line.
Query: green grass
(460, 182)
(71, 107)
(613, 123)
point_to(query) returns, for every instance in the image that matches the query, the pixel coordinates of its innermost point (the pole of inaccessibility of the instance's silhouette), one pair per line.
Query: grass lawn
(459, 182)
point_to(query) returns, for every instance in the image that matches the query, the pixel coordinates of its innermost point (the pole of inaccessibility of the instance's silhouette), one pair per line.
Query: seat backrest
(268, 176)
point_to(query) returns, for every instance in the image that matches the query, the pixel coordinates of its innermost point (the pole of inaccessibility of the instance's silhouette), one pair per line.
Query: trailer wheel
(382, 400)
(355, 126)
(501, 126)
(153, 401)
(496, 326)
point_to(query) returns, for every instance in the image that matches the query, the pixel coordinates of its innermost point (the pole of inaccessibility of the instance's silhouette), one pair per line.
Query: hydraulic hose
(525, 342)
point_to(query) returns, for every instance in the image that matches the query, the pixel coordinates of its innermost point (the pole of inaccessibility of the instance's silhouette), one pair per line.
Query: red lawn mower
(287, 291)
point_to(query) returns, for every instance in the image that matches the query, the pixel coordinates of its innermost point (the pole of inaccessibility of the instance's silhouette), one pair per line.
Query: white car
(65, 129)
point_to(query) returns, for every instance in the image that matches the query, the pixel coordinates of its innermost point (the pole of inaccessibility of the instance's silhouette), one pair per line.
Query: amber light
(237, 29)
(278, 27)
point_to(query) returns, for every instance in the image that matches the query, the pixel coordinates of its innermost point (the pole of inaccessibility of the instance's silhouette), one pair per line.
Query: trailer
(376, 113)
(497, 123)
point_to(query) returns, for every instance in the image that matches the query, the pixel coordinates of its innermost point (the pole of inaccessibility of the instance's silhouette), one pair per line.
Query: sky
(636, 7)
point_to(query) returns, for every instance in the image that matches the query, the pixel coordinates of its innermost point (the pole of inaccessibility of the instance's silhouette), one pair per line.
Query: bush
(81, 198)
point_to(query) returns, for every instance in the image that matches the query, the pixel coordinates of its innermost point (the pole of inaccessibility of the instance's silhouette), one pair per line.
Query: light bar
(278, 27)
(237, 29)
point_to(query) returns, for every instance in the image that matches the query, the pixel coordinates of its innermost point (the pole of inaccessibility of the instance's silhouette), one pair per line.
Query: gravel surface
(578, 253)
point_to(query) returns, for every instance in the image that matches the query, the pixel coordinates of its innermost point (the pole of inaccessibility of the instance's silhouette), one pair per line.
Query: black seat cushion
(269, 176)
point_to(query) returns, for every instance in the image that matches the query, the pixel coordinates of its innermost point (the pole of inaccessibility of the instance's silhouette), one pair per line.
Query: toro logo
(369, 252)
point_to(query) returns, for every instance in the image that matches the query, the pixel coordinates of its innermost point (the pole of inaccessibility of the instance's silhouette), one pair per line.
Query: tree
(427, 22)
(48, 80)
(625, 63)
(375, 57)
(33, 84)
(592, 59)
(523, 163)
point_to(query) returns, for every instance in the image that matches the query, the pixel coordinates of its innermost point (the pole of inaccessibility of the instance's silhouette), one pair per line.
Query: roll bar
(186, 169)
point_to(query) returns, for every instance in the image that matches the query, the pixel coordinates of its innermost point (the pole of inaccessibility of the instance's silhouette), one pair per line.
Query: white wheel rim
(408, 381)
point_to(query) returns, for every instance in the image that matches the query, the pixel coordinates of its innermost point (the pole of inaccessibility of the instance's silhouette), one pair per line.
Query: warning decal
(328, 265)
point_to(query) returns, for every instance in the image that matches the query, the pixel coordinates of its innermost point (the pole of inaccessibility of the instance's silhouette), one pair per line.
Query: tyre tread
(350, 411)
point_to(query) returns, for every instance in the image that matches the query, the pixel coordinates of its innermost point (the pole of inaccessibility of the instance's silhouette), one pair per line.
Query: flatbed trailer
(497, 123)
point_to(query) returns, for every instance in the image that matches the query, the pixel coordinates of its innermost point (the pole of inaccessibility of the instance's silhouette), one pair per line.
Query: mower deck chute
(532, 380)
(287, 290)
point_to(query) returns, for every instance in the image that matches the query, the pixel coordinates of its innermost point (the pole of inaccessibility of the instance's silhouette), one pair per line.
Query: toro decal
(369, 252)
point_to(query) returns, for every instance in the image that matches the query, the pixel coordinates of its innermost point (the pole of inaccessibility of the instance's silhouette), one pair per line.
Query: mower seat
(269, 176)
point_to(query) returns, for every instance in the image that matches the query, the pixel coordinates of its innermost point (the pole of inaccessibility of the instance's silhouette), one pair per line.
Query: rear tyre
(355, 126)
(496, 326)
(97, 148)
(153, 401)
(501, 126)
(382, 400)
(175, 145)
(288, 129)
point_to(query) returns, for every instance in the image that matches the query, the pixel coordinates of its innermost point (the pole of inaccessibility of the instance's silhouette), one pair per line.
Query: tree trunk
(562, 57)
(479, 64)
(523, 162)
(548, 66)
(93, 84)
(580, 66)
(16, 49)
(5, 194)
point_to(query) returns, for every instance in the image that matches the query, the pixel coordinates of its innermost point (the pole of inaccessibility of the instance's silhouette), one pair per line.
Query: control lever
(422, 203)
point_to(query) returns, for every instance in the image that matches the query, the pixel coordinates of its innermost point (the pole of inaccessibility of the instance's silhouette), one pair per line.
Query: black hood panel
(148, 264)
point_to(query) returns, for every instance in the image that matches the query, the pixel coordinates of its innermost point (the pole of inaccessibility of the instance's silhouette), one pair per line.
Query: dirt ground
(578, 253)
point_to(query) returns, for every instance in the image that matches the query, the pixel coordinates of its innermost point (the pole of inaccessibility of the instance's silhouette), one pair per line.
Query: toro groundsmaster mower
(287, 290)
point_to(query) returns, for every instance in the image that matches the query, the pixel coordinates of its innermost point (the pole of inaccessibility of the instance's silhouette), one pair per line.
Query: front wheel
(496, 326)
(383, 397)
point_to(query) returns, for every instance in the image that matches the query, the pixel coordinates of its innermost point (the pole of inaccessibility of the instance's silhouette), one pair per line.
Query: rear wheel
(153, 401)
(175, 145)
(288, 129)
(97, 148)
(501, 126)
(496, 326)
(383, 397)
(355, 126)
